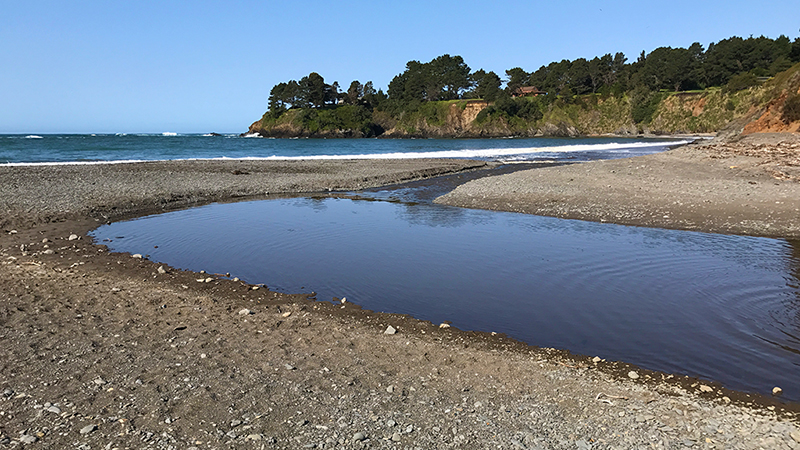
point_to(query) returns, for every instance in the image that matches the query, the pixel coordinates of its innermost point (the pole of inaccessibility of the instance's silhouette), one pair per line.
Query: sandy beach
(102, 350)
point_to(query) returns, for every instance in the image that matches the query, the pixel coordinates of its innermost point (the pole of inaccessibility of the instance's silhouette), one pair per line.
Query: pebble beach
(104, 350)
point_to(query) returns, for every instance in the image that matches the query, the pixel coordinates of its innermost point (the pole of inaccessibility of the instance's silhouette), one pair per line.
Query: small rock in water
(137, 256)
(88, 429)
(245, 312)
(343, 300)
(633, 375)
(390, 330)
(235, 279)
(73, 237)
(777, 391)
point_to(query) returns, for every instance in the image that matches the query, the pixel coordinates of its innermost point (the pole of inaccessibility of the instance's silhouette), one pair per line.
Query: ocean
(20, 149)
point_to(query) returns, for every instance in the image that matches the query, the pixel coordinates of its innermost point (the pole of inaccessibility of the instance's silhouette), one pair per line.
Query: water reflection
(721, 307)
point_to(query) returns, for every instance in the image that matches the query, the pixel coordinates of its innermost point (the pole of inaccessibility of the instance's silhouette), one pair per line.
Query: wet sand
(107, 350)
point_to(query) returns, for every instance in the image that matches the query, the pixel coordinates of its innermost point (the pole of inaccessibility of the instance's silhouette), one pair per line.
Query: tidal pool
(725, 308)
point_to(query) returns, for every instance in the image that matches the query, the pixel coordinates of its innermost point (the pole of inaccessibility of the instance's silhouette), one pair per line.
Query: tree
(487, 85)
(443, 78)
(516, 79)
(354, 93)
(312, 91)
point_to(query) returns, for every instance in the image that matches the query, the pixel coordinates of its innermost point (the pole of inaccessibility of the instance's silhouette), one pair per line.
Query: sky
(208, 66)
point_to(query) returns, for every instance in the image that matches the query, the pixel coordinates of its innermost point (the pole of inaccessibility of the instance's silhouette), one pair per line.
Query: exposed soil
(102, 350)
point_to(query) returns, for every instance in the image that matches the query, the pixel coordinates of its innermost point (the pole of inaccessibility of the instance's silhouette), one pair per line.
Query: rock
(49, 252)
(161, 270)
(286, 314)
(390, 330)
(477, 405)
(288, 366)
(235, 279)
(409, 428)
(777, 391)
(253, 437)
(88, 429)
(137, 256)
(390, 423)
(390, 389)
(27, 439)
(208, 280)
(633, 375)
(396, 437)
(444, 325)
(704, 388)
(73, 237)
(99, 381)
(359, 437)
(54, 409)
(795, 435)
(245, 312)
(343, 300)
(596, 359)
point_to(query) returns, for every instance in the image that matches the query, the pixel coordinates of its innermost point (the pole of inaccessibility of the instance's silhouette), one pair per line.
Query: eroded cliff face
(771, 119)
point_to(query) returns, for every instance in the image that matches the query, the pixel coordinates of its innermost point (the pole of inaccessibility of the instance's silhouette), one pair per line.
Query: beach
(106, 350)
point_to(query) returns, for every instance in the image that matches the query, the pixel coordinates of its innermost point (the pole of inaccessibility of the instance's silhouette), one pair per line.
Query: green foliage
(575, 89)
(791, 109)
(644, 104)
(741, 81)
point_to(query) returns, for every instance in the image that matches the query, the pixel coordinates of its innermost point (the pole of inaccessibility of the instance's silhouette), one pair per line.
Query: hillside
(770, 106)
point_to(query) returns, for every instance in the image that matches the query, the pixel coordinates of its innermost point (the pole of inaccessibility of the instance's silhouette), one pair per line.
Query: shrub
(742, 81)
(791, 109)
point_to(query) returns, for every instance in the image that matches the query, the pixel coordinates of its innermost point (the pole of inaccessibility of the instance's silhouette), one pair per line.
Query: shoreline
(152, 356)
(749, 187)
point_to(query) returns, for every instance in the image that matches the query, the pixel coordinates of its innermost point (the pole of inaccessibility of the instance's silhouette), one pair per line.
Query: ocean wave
(33, 136)
(614, 147)
(523, 154)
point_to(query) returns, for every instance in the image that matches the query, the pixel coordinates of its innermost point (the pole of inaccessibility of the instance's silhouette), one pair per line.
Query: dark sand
(101, 350)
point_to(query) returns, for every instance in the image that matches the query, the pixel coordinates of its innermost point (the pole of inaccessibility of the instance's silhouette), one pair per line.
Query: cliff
(757, 109)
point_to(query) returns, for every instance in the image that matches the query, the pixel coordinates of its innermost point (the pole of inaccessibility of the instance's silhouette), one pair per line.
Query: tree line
(734, 63)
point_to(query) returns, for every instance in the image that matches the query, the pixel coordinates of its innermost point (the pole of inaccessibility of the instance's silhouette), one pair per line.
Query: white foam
(33, 136)
(169, 133)
(486, 153)
(499, 153)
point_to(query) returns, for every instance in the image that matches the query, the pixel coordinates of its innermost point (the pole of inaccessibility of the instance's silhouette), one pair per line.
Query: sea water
(104, 148)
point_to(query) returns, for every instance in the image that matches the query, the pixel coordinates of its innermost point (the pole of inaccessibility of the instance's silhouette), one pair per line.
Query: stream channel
(719, 307)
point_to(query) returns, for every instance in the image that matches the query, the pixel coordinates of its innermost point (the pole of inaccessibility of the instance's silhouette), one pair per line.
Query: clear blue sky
(201, 66)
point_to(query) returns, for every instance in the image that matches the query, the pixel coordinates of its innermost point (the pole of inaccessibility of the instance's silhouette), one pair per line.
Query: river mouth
(724, 308)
